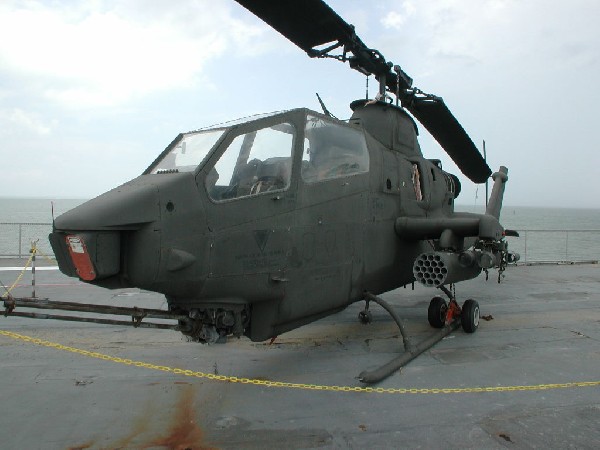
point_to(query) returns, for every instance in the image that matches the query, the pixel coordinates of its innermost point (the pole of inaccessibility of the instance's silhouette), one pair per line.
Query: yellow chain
(34, 251)
(284, 384)
(53, 261)
(5, 295)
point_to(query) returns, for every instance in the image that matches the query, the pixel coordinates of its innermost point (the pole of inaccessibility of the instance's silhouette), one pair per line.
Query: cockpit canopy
(247, 158)
(188, 152)
(253, 162)
(331, 151)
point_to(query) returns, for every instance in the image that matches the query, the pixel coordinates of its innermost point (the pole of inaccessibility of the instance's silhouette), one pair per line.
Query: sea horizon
(547, 233)
(457, 205)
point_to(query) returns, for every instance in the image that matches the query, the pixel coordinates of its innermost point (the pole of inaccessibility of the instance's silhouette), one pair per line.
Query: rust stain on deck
(183, 432)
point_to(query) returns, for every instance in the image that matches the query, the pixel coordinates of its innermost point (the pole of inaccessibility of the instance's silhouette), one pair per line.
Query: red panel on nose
(80, 257)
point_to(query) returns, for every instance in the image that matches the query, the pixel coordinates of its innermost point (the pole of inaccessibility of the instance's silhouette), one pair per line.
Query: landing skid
(445, 316)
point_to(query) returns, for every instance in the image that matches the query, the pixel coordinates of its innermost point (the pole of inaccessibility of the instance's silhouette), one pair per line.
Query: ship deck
(528, 378)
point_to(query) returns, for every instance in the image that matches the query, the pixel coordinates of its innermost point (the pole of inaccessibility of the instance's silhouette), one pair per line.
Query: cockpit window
(254, 163)
(188, 152)
(332, 151)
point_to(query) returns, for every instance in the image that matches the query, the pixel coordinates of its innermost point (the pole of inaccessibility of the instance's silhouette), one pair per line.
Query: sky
(92, 91)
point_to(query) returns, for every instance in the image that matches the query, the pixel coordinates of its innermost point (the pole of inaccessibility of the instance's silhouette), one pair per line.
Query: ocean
(551, 234)
(35, 215)
(547, 234)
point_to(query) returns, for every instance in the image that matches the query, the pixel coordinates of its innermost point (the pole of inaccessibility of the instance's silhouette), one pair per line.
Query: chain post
(33, 251)
(20, 239)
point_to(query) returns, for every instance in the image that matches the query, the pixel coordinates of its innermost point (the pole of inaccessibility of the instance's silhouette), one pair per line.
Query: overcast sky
(92, 91)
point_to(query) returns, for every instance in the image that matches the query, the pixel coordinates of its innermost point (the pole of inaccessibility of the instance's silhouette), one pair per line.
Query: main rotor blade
(307, 23)
(311, 24)
(443, 126)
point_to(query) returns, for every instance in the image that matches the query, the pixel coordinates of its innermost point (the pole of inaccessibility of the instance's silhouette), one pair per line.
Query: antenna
(324, 108)
(367, 89)
(486, 181)
(52, 209)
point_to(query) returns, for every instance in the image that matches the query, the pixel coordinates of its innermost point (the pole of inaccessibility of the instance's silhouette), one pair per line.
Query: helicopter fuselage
(267, 224)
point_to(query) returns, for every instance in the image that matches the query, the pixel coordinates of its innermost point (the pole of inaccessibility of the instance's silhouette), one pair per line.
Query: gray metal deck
(545, 334)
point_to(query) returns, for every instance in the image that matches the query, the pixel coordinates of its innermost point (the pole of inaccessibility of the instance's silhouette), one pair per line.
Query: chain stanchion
(33, 252)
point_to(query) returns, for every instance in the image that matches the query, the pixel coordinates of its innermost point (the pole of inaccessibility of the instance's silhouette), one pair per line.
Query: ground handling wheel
(437, 311)
(469, 316)
(365, 317)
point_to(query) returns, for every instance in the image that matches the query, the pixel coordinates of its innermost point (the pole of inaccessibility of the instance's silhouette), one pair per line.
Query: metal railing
(556, 246)
(534, 246)
(16, 238)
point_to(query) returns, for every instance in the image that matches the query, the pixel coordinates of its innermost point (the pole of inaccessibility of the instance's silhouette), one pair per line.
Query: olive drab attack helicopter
(259, 226)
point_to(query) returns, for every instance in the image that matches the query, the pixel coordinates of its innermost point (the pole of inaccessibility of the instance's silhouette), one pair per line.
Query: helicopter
(261, 225)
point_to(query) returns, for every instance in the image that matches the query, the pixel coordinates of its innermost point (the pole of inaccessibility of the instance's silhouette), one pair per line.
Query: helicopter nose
(88, 240)
(127, 207)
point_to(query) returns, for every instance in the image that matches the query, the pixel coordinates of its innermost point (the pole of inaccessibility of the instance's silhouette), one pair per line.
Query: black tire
(437, 312)
(469, 316)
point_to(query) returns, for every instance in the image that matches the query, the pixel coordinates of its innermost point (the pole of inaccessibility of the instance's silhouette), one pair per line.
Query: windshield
(188, 152)
(253, 163)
